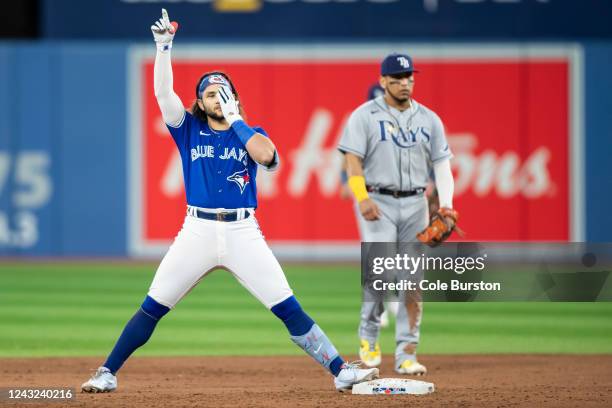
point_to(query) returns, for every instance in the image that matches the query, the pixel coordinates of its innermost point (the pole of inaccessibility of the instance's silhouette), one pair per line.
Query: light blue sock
(308, 335)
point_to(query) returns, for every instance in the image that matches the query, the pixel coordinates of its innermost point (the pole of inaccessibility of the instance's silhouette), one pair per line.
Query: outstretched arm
(170, 104)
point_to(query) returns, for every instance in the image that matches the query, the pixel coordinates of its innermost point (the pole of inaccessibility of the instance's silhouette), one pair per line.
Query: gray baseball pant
(402, 219)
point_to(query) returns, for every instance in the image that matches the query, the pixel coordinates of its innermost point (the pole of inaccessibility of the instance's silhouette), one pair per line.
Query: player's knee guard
(154, 309)
(291, 313)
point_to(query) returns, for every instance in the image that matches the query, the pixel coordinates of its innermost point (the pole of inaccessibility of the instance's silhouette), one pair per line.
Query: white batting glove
(163, 32)
(229, 105)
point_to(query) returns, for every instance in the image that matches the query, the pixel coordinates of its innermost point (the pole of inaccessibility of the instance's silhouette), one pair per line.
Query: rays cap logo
(396, 64)
(241, 178)
(404, 62)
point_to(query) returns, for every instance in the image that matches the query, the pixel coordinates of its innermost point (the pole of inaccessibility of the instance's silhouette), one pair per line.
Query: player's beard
(213, 115)
(400, 100)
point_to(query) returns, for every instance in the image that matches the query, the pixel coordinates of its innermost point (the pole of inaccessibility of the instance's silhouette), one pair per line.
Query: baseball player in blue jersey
(220, 154)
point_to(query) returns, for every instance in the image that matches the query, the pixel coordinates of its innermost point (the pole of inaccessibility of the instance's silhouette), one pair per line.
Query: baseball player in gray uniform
(390, 305)
(392, 144)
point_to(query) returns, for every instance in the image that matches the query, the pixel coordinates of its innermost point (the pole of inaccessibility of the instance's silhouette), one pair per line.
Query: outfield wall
(72, 118)
(63, 150)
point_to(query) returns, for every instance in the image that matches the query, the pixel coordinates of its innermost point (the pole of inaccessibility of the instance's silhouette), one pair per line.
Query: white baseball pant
(204, 245)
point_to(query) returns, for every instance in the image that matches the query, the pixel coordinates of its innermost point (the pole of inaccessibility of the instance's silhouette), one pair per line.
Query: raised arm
(170, 104)
(260, 148)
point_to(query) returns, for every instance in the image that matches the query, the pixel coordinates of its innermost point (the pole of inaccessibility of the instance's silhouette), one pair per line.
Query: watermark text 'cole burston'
(437, 285)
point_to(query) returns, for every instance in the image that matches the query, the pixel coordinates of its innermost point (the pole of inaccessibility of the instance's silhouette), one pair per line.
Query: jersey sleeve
(276, 162)
(439, 145)
(180, 132)
(354, 138)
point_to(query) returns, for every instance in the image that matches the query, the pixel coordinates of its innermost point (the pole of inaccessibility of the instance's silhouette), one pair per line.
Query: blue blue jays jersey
(217, 169)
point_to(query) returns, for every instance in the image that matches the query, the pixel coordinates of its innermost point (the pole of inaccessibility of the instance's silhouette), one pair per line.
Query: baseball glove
(441, 225)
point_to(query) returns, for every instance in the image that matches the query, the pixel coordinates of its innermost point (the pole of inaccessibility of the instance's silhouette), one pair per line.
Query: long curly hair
(195, 108)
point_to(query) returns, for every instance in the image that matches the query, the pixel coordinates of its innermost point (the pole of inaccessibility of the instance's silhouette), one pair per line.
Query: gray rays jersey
(397, 148)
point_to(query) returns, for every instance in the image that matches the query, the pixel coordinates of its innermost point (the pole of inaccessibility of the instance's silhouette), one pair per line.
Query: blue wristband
(243, 131)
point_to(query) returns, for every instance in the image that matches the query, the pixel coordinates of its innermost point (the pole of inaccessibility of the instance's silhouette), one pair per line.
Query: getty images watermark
(472, 271)
(400, 264)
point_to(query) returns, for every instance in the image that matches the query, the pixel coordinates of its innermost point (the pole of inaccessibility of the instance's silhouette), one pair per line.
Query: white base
(393, 386)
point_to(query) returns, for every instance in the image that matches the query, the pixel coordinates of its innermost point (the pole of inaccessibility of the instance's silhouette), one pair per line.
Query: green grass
(69, 309)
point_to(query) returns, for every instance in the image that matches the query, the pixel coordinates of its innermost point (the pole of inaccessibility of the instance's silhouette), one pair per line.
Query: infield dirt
(461, 381)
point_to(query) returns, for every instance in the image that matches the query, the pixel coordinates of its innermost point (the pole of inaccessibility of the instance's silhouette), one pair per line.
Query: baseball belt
(226, 216)
(395, 193)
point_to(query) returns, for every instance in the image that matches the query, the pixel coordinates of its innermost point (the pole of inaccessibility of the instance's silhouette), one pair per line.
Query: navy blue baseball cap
(396, 64)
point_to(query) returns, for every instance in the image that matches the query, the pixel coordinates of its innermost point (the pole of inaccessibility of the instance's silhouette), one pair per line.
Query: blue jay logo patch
(241, 178)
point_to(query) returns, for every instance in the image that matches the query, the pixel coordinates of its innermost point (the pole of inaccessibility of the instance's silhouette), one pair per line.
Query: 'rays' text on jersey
(403, 137)
(202, 152)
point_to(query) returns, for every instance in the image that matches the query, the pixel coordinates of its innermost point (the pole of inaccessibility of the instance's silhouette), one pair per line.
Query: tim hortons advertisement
(508, 118)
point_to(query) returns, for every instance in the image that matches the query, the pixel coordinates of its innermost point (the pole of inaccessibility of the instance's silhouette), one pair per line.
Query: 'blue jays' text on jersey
(217, 169)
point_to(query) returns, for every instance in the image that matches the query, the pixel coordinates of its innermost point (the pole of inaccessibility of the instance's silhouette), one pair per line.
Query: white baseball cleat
(410, 367)
(351, 374)
(102, 381)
